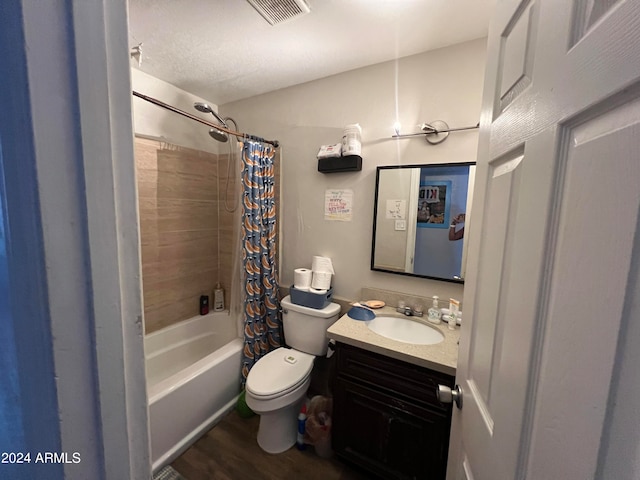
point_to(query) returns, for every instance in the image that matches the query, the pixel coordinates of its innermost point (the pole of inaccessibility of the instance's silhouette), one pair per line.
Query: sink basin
(405, 330)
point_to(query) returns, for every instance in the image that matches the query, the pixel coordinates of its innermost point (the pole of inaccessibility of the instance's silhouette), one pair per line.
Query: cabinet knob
(447, 395)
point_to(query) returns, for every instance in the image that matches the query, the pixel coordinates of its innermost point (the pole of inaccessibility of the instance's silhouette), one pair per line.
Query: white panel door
(553, 252)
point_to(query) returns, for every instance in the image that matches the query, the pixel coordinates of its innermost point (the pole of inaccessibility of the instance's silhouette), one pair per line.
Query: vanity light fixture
(435, 132)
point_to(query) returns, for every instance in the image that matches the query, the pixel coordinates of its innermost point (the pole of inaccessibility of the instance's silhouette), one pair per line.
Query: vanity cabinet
(386, 417)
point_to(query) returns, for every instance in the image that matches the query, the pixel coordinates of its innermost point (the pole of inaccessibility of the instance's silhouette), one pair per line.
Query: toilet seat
(278, 373)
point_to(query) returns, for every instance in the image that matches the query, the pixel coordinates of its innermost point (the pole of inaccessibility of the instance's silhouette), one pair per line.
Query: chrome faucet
(410, 312)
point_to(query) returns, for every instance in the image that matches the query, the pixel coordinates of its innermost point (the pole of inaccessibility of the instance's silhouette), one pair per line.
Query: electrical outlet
(401, 224)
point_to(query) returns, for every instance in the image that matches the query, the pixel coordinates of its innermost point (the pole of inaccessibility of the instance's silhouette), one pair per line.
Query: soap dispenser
(434, 312)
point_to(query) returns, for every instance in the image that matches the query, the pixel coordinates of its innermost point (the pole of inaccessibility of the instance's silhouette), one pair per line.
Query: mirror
(415, 206)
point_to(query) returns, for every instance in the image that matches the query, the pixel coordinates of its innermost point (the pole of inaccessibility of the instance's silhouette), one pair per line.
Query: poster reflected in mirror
(433, 204)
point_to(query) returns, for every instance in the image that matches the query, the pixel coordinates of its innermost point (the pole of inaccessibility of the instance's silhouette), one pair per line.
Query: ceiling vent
(279, 11)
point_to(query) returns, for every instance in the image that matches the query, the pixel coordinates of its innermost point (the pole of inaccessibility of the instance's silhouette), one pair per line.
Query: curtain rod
(196, 118)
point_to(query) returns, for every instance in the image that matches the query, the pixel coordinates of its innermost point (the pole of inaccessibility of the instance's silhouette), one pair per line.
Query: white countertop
(442, 357)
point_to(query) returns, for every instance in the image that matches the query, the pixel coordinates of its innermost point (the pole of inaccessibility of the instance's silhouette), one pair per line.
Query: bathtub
(193, 379)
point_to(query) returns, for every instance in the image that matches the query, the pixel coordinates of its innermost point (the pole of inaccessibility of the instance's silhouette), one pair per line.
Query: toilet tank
(305, 329)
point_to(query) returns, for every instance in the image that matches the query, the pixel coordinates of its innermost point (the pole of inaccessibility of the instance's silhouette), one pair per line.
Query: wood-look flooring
(229, 451)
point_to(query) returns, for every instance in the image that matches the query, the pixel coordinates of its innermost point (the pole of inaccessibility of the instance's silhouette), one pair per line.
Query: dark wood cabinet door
(387, 373)
(390, 437)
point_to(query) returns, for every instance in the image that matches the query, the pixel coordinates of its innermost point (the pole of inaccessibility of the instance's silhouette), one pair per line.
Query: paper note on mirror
(396, 209)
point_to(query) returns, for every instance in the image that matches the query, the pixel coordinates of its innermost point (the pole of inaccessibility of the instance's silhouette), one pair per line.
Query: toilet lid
(278, 372)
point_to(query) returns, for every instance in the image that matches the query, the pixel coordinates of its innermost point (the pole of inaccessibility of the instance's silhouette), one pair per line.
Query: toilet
(277, 384)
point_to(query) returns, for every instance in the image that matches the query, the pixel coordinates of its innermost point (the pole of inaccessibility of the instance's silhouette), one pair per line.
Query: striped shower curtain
(262, 318)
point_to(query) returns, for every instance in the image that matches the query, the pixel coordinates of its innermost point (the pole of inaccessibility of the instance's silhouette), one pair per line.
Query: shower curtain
(262, 318)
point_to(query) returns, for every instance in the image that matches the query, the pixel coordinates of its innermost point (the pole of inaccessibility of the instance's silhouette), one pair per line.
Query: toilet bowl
(277, 384)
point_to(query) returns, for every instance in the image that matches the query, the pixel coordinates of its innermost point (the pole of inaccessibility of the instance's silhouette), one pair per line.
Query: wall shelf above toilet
(349, 163)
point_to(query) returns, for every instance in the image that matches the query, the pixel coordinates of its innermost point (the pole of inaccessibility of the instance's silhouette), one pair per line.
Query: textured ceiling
(223, 50)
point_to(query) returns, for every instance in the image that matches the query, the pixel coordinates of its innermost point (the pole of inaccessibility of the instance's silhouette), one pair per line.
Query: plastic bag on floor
(318, 425)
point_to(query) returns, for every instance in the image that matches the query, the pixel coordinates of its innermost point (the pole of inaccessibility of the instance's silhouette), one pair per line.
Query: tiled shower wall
(179, 228)
(181, 196)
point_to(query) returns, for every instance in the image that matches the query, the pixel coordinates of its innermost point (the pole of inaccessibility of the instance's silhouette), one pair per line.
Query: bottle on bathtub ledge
(204, 304)
(218, 299)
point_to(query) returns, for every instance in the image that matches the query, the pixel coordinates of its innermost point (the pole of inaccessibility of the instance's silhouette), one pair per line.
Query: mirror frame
(375, 216)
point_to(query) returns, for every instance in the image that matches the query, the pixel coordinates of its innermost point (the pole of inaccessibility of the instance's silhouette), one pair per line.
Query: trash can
(318, 425)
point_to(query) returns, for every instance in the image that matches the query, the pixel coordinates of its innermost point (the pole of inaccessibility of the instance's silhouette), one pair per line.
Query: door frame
(77, 133)
(412, 219)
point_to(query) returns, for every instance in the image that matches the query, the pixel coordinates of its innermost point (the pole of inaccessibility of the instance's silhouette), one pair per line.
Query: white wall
(444, 84)
(158, 123)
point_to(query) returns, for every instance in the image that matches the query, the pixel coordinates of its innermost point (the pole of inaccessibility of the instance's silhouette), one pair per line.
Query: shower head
(206, 108)
(203, 107)
(218, 135)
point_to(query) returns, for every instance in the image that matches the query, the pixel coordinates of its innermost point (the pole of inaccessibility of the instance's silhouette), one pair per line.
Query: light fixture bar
(429, 130)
